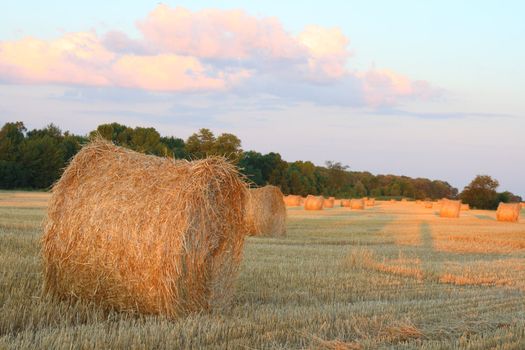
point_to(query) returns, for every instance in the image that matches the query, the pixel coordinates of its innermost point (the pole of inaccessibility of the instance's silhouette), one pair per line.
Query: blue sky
(468, 117)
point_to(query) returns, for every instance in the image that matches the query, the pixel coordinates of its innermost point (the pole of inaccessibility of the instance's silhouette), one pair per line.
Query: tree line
(35, 159)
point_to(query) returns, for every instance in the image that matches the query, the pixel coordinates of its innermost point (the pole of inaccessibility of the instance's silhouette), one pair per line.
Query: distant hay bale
(428, 204)
(265, 212)
(345, 203)
(465, 207)
(370, 202)
(314, 203)
(508, 212)
(404, 200)
(144, 234)
(357, 204)
(392, 201)
(337, 203)
(292, 201)
(450, 209)
(329, 202)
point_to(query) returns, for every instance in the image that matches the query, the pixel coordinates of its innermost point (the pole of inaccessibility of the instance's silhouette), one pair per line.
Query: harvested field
(392, 276)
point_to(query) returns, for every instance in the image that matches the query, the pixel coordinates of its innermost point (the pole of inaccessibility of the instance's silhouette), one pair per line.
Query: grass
(392, 276)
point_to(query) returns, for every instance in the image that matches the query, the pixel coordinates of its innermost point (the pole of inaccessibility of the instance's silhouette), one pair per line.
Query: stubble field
(392, 276)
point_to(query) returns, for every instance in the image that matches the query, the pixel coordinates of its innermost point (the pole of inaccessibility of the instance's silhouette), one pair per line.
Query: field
(392, 276)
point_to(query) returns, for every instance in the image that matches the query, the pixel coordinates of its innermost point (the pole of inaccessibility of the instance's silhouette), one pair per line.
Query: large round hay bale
(450, 209)
(370, 202)
(144, 234)
(465, 207)
(265, 212)
(357, 203)
(329, 202)
(508, 212)
(314, 203)
(292, 201)
(345, 203)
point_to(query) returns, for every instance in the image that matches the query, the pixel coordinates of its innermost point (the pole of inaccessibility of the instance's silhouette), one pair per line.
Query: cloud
(75, 58)
(222, 51)
(170, 73)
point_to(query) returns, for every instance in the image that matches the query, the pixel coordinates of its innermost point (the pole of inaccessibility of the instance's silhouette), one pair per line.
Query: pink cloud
(226, 34)
(208, 50)
(169, 73)
(75, 58)
(385, 87)
(327, 48)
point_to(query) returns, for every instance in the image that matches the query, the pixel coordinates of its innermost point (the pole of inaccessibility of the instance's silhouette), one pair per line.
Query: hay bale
(292, 201)
(428, 204)
(464, 207)
(392, 200)
(265, 212)
(314, 203)
(329, 202)
(450, 209)
(508, 212)
(357, 204)
(370, 202)
(144, 234)
(345, 203)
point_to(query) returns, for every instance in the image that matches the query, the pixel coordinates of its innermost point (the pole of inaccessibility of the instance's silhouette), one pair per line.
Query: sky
(424, 89)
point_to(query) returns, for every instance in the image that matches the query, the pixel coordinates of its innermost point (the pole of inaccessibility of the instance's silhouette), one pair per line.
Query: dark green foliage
(36, 158)
(481, 193)
(204, 143)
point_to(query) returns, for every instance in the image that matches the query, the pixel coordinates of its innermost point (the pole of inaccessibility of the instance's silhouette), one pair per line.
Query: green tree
(42, 159)
(200, 144)
(11, 137)
(227, 145)
(71, 144)
(117, 133)
(481, 193)
(359, 189)
(337, 178)
(146, 140)
(175, 147)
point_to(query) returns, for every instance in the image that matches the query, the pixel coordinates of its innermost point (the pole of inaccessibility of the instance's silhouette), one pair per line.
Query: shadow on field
(484, 217)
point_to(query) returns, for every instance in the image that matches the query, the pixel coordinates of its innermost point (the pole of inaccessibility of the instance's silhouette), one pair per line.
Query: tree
(337, 178)
(71, 144)
(42, 160)
(201, 144)
(227, 145)
(117, 133)
(175, 147)
(481, 193)
(146, 140)
(11, 137)
(508, 197)
(252, 164)
(359, 189)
